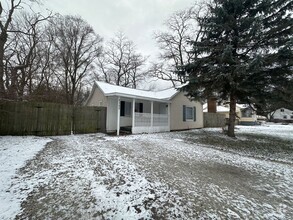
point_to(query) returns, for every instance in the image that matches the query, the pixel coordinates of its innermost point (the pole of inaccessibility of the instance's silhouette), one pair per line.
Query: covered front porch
(142, 116)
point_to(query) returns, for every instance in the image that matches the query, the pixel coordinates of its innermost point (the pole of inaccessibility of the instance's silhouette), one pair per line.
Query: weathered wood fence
(213, 120)
(43, 119)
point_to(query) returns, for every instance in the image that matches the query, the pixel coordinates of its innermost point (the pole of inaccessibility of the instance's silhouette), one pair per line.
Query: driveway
(151, 176)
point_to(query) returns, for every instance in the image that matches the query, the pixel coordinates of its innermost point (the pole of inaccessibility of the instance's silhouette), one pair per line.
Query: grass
(257, 145)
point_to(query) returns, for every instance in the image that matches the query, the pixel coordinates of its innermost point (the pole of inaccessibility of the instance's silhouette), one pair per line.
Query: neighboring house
(245, 114)
(145, 111)
(282, 114)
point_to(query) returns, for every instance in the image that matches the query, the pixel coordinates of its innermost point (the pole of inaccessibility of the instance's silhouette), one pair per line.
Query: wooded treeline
(54, 58)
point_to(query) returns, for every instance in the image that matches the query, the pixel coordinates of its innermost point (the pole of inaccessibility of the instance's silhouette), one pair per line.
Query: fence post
(38, 115)
(72, 121)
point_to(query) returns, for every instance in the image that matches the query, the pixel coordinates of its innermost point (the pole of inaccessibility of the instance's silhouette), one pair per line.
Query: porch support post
(118, 116)
(133, 113)
(169, 115)
(152, 114)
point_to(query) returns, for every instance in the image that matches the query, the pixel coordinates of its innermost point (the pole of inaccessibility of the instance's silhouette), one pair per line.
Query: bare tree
(20, 31)
(174, 44)
(7, 15)
(21, 56)
(77, 46)
(120, 64)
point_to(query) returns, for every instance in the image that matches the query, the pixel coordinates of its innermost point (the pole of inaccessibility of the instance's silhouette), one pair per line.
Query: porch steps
(125, 130)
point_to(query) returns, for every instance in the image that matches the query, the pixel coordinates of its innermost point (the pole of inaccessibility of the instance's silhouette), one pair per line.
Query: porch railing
(144, 120)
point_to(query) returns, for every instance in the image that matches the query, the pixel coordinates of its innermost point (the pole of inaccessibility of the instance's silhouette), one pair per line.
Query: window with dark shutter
(122, 108)
(194, 113)
(184, 113)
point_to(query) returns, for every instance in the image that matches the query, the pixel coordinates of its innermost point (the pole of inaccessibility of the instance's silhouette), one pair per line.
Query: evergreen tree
(245, 52)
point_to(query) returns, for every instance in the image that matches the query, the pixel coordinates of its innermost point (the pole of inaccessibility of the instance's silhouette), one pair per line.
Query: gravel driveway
(155, 176)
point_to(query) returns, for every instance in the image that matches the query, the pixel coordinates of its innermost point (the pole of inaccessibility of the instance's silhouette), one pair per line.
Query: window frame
(125, 109)
(193, 113)
(189, 111)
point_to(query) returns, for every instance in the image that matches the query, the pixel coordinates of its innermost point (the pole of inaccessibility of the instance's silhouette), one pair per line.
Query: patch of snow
(270, 129)
(179, 140)
(109, 89)
(14, 152)
(220, 108)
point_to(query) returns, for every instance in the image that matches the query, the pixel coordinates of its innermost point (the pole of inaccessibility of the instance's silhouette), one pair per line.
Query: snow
(220, 108)
(224, 184)
(14, 152)
(271, 129)
(109, 89)
(146, 176)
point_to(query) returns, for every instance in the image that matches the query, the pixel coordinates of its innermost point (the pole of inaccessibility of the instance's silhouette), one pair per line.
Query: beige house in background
(142, 111)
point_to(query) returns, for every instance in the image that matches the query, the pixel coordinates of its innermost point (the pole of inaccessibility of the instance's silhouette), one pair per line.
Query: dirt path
(152, 176)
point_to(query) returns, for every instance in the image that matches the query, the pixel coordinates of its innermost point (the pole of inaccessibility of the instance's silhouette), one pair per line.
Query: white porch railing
(160, 120)
(144, 120)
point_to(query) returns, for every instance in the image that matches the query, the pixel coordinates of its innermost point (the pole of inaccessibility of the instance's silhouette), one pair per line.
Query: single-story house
(145, 111)
(282, 114)
(245, 114)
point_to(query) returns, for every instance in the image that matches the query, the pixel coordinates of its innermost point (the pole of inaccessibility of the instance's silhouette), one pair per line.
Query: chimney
(212, 104)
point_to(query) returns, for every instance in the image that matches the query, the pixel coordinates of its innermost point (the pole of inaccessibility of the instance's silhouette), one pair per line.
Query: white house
(282, 114)
(145, 111)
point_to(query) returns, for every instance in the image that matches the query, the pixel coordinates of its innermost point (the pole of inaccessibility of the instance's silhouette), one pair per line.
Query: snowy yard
(179, 175)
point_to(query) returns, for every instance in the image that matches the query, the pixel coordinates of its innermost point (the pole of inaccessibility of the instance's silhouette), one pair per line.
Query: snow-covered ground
(150, 176)
(14, 152)
(271, 129)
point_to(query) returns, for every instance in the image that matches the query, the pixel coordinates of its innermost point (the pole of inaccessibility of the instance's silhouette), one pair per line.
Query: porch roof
(114, 90)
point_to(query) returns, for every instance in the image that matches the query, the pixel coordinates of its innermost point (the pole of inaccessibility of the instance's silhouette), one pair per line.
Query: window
(139, 107)
(246, 113)
(125, 109)
(189, 113)
(291, 116)
(282, 110)
(285, 117)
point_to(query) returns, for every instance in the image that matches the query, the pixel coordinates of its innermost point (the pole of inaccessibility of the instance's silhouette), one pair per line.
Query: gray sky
(138, 19)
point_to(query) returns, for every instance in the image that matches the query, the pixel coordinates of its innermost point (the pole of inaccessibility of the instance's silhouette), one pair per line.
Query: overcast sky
(138, 19)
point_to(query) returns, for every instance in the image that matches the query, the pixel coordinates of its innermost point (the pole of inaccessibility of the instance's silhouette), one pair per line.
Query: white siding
(111, 124)
(177, 122)
(279, 114)
(97, 98)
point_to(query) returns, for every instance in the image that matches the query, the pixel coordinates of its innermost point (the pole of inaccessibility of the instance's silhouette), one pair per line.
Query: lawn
(178, 175)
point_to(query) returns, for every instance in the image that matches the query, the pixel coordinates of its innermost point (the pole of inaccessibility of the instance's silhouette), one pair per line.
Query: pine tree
(245, 52)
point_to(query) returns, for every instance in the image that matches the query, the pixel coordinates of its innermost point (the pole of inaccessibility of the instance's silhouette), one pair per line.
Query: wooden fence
(44, 119)
(214, 120)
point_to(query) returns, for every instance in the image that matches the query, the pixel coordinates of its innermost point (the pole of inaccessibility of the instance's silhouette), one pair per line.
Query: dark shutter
(141, 107)
(122, 108)
(184, 113)
(194, 113)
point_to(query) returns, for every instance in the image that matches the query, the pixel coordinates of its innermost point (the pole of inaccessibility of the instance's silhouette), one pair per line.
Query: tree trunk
(12, 92)
(3, 39)
(232, 116)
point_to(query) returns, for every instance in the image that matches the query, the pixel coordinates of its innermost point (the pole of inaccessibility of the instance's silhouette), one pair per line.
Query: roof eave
(137, 97)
